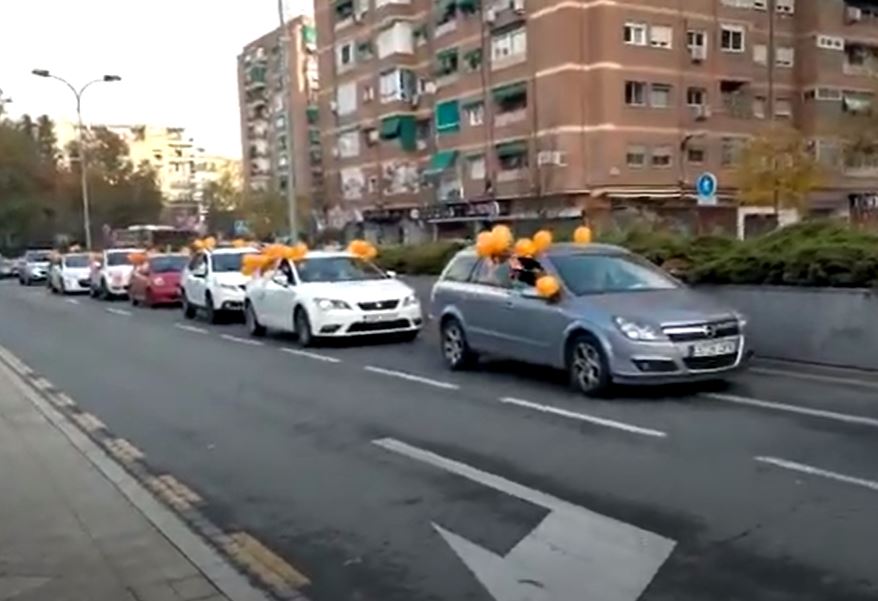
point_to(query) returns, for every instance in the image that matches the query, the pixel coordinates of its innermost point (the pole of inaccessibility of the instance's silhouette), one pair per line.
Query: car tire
(104, 292)
(255, 328)
(455, 349)
(303, 328)
(587, 366)
(189, 310)
(209, 310)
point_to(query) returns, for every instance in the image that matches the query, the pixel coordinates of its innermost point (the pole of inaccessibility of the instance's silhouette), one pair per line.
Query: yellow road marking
(89, 422)
(174, 492)
(266, 564)
(124, 451)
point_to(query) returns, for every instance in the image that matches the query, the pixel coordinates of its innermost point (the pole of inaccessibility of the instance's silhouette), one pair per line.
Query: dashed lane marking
(768, 371)
(816, 471)
(72, 301)
(310, 355)
(187, 328)
(412, 378)
(821, 413)
(592, 419)
(231, 338)
(121, 312)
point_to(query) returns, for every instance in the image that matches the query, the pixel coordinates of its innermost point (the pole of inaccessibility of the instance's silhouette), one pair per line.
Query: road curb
(169, 505)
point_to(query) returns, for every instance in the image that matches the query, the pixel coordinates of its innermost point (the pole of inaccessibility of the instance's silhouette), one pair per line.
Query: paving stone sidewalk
(67, 533)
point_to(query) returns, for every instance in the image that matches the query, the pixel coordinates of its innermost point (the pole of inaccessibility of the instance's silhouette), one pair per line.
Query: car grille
(384, 305)
(84, 282)
(702, 331)
(379, 326)
(717, 362)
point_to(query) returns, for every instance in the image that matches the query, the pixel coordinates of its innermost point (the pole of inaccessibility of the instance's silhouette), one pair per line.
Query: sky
(177, 60)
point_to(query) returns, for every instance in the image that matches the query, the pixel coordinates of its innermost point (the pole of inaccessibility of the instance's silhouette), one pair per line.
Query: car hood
(75, 272)
(358, 292)
(231, 278)
(656, 307)
(38, 264)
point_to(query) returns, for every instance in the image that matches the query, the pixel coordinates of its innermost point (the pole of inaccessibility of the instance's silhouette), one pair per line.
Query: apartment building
(443, 112)
(263, 122)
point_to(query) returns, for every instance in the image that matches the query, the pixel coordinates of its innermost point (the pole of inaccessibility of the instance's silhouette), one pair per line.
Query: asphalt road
(764, 490)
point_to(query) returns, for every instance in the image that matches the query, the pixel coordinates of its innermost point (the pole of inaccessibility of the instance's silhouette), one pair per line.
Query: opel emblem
(710, 331)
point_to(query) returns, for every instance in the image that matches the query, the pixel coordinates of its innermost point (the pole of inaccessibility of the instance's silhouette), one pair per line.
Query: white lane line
(840, 417)
(122, 312)
(768, 371)
(412, 378)
(183, 326)
(598, 421)
(816, 471)
(317, 356)
(240, 340)
(72, 301)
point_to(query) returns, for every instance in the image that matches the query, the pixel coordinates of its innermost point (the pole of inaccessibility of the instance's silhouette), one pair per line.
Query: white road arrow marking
(574, 553)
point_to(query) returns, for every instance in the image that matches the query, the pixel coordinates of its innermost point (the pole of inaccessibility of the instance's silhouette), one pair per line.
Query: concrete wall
(818, 325)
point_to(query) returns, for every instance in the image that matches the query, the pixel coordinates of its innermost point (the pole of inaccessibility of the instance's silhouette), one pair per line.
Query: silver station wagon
(617, 318)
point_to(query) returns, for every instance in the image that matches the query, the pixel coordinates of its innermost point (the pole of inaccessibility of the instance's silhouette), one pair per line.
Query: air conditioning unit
(429, 87)
(552, 157)
(490, 15)
(333, 106)
(518, 6)
(372, 136)
(701, 112)
(853, 14)
(698, 53)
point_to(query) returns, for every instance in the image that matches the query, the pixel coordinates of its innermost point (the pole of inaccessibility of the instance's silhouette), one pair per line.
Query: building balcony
(508, 118)
(511, 175)
(444, 28)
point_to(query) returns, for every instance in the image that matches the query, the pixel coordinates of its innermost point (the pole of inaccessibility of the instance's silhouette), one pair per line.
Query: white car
(213, 282)
(111, 273)
(331, 295)
(34, 267)
(71, 274)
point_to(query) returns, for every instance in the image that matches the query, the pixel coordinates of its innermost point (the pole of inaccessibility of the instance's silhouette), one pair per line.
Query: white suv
(213, 282)
(111, 273)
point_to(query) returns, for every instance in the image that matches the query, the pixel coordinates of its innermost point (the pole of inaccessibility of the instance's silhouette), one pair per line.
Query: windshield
(597, 274)
(37, 256)
(76, 261)
(226, 262)
(119, 258)
(337, 269)
(169, 264)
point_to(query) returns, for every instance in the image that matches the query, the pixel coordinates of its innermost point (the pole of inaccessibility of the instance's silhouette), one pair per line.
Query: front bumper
(356, 322)
(168, 295)
(635, 362)
(36, 276)
(74, 285)
(227, 299)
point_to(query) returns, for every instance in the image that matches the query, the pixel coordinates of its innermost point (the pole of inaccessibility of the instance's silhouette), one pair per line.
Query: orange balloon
(582, 235)
(502, 239)
(239, 243)
(542, 241)
(485, 244)
(525, 247)
(137, 258)
(198, 244)
(210, 243)
(299, 252)
(548, 286)
(275, 251)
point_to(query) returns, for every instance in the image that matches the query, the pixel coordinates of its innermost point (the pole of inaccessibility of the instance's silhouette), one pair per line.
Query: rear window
(119, 258)
(37, 256)
(168, 264)
(459, 269)
(76, 261)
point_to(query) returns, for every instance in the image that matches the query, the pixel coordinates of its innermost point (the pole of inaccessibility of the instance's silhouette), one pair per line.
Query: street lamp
(82, 152)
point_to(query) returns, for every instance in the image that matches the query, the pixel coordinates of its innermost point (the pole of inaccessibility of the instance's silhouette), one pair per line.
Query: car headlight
(229, 287)
(638, 331)
(742, 319)
(328, 304)
(410, 300)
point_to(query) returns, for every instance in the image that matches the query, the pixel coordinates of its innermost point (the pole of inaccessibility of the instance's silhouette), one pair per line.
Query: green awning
(510, 149)
(309, 34)
(511, 91)
(390, 127)
(408, 132)
(313, 114)
(448, 116)
(439, 162)
(469, 6)
(445, 6)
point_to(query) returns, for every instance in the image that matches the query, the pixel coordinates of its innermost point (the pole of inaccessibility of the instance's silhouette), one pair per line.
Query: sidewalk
(67, 533)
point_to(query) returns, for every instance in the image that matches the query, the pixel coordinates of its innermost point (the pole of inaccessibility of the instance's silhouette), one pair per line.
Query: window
(732, 38)
(446, 62)
(635, 93)
(398, 84)
(510, 44)
(660, 95)
(512, 156)
(475, 113)
(784, 56)
(738, 3)
(635, 156)
(696, 97)
(731, 149)
(475, 167)
(661, 36)
(759, 107)
(472, 60)
(599, 274)
(696, 38)
(344, 56)
(348, 144)
(661, 156)
(489, 273)
(346, 98)
(634, 34)
(760, 54)
(783, 107)
(460, 268)
(696, 155)
(396, 39)
(510, 98)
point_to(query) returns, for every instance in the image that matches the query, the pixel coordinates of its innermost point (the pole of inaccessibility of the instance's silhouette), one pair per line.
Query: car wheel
(303, 328)
(455, 349)
(588, 366)
(104, 292)
(188, 308)
(210, 310)
(253, 326)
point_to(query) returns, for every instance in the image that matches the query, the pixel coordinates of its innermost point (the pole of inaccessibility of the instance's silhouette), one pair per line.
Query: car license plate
(713, 348)
(382, 317)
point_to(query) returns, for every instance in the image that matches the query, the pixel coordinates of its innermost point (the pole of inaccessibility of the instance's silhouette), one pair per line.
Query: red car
(156, 281)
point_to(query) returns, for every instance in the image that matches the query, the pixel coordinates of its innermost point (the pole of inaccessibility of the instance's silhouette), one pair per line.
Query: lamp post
(86, 218)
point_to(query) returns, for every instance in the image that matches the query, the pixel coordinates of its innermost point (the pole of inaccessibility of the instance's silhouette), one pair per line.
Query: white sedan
(71, 274)
(331, 295)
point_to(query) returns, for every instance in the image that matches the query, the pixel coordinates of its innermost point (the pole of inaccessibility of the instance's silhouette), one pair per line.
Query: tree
(777, 169)
(266, 213)
(47, 141)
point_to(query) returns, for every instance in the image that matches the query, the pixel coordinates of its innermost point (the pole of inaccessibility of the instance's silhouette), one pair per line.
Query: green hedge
(814, 253)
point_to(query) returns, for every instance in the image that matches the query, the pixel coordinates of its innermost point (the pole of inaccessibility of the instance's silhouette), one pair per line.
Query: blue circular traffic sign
(706, 184)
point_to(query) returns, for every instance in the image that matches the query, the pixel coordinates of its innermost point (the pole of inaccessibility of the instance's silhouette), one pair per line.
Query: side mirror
(280, 279)
(391, 274)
